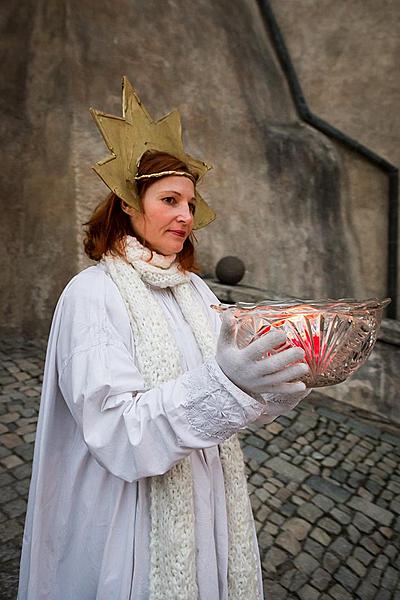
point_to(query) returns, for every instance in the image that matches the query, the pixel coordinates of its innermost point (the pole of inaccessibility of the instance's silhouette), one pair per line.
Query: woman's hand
(251, 370)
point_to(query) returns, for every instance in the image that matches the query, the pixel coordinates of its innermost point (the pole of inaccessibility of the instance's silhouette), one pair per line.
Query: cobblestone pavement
(324, 483)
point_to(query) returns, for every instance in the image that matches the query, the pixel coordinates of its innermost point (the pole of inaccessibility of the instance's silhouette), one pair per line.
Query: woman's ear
(129, 210)
(126, 208)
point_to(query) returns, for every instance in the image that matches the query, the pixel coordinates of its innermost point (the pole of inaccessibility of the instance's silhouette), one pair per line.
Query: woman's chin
(170, 248)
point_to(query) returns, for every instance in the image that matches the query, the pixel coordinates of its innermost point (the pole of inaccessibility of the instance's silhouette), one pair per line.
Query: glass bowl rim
(320, 305)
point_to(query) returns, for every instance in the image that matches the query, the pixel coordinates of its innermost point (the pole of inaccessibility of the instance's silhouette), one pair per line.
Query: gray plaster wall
(347, 56)
(37, 231)
(305, 215)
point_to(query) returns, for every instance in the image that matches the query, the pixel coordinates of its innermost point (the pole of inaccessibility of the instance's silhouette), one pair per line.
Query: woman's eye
(171, 201)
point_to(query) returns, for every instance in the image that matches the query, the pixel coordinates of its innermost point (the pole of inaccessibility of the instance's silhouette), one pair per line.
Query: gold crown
(129, 137)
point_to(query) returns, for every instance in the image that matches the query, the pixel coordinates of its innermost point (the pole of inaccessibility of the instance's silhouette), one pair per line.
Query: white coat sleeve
(135, 433)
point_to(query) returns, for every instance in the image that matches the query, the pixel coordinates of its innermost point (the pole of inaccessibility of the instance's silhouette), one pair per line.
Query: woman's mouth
(178, 233)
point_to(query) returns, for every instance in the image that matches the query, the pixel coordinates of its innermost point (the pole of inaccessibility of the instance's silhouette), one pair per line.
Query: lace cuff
(214, 406)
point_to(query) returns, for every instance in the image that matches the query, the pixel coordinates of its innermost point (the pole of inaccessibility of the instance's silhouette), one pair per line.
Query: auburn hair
(109, 224)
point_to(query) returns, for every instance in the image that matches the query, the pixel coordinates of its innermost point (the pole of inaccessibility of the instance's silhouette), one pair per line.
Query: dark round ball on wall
(230, 270)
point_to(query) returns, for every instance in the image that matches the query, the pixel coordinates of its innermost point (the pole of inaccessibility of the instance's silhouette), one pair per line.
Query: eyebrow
(175, 192)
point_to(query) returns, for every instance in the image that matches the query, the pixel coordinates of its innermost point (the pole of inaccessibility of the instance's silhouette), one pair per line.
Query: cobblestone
(326, 504)
(321, 579)
(320, 536)
(307, 592)
(298, 527)
(339, 593)
(340, 516)
(329, 488)
(324, 486)
(329, 525)
(363, 556)
(288, 542)
(309, 512)
(353, 534)
(314, 548)
(363, 523)
(382, 516)
(357, 567)
(293, 580)
(346, 578)
(306, 563)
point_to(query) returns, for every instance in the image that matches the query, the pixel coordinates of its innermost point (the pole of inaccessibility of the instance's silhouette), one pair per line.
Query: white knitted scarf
(172, 538)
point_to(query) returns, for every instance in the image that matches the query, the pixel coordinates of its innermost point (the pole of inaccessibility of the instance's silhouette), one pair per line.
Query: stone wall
(307, 216)
(346, 55)
(38, 224)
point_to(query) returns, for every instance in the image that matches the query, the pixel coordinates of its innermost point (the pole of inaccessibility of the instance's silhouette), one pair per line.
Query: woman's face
(167, 218)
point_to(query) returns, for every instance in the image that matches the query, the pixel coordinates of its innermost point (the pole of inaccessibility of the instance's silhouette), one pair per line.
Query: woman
(138, 489)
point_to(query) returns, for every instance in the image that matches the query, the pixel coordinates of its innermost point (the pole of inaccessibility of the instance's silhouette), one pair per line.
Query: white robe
(100, 437)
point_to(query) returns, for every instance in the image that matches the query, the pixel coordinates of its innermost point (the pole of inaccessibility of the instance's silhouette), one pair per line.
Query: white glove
(249, 369)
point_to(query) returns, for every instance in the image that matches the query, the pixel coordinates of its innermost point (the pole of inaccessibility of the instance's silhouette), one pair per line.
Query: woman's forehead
(178, 184)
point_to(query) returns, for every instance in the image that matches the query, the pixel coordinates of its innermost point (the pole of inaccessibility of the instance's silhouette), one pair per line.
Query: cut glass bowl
(336, 335)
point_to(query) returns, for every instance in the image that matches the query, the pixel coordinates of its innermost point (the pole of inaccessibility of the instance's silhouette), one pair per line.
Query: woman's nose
(185, 214)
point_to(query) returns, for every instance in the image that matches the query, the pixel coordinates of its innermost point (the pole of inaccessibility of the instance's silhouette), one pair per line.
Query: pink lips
(179, 233)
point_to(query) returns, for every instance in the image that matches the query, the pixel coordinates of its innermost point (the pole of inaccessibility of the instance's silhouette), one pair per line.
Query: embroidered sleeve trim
(214, 406)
